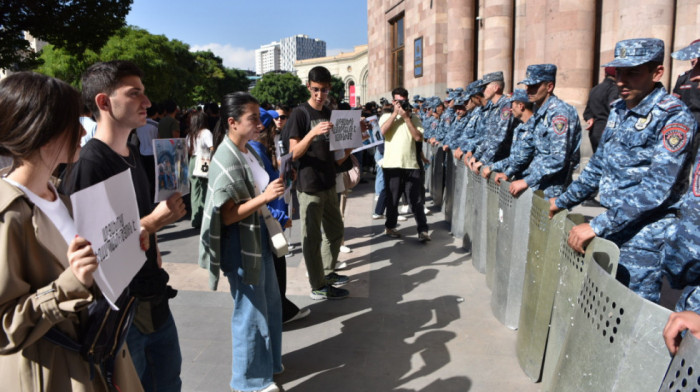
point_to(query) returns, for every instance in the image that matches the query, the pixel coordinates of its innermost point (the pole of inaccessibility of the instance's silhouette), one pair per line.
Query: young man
(640, 168)
(402, 170)
(168, 126)
(557, 132)
(308, 132)
(114, 93)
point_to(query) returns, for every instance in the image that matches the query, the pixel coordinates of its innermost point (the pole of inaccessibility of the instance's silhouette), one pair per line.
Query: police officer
(498, 124)
(557, 135)
(688, 84)
(640, 168)
(468, 142)
(523, 141)
(458, 123)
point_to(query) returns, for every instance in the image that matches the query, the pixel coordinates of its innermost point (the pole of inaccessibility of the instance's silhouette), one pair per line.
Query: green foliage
(280, 88)
(75, 26)
(337, 89)
(171, 71)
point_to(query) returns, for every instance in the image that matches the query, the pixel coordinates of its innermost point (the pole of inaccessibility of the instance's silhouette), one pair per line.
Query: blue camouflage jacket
(429, 126)
(445, 123)
(456, 130)
(468, 140)
(496, 125)
(557, 136)
(640, 168)
(520, 151)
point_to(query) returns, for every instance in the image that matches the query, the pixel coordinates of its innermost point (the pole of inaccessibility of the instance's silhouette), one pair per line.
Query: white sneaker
(270, 388)
(345, 249)
(403, 209)
(302, 313)
(341, 266)
(402, 218)
(427, 211)
(377, 216)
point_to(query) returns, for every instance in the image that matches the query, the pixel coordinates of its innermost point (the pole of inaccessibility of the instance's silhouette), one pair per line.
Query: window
(397, 48)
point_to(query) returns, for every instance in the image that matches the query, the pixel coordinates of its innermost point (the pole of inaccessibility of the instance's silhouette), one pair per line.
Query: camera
(406, 106)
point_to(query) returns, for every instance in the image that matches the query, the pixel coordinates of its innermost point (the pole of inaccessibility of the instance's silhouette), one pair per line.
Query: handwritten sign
(112, 226)
(346, 132)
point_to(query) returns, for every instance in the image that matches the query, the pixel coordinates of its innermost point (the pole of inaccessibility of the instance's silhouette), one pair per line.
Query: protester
(116, 96)
(199, 143)
(235, 237)
(47, 280)
(598, 107)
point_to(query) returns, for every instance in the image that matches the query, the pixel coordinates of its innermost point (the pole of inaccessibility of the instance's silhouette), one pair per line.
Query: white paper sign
(107, 215)
(346, 132)
(374, 132)
(172, 167)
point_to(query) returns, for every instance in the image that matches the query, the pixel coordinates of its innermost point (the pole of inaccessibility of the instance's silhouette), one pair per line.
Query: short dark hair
(320, 74)
(399, 91)
(104, 78)
(170, 106)
(35, 109)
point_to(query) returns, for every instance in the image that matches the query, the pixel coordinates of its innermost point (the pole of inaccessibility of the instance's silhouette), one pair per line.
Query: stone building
(430, 45)
(351, 67)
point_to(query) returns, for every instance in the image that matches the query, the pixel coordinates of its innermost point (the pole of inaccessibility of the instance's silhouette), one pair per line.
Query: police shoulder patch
(433, 125)
(505, 113)
(696, 181)
(670, 103)
(560, 124)
(675, 137)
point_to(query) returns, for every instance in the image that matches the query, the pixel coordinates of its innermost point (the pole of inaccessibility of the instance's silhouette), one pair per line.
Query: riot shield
(468, 237)
(438, 176)
(479, 223)
(428, 152)
(682, 375)
(449, 186)
(492, 196)
(459, 199)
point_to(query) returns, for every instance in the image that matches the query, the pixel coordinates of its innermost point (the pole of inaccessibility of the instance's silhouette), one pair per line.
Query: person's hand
(468, 155)
(517, 187)
(445, 147)
(457, 154)
(476, 166)
(364, 127)
(288, 224)
(465, 159)
(677, 323)
(486, 172)
(322, 128)
(553, 209)
(169, 211)
(580, 236)
(143, 239)
(589, 124)
(274, 190)
(499, 177)
(82, 260)
(399, 110)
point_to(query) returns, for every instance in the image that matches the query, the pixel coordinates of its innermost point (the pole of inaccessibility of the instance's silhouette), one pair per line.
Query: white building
(300, 47)
(267, 58)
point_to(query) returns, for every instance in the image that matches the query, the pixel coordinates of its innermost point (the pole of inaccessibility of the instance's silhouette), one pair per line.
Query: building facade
(351, 67)
(299, 47)
(267, 58)
(427, 46)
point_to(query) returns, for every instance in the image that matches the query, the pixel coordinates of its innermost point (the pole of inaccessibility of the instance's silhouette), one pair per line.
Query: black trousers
(396, 181)
(289, 310)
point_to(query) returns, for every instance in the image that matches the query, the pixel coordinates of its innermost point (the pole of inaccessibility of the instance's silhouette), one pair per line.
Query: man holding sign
(115, 94)
(401, 165)
(309, 143)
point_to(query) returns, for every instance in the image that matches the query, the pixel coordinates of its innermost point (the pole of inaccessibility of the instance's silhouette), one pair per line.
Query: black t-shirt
(317, 168)
(99, 162)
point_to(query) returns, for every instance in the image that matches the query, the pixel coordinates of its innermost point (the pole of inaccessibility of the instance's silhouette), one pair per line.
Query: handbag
(278, 242)
(201, 165)
(352, 177)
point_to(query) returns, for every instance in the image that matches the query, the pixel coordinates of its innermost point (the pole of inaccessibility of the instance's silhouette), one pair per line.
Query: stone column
(641, 19)
(529, 36)
(687, 16)
(498, 39)
(460, 42)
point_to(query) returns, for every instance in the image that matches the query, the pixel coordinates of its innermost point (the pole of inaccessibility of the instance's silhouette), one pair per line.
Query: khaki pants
(320, 210)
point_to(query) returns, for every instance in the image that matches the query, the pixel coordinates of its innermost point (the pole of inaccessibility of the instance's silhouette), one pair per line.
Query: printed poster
(374, 132)
(346, 132)
(172, 168)
(112, 226)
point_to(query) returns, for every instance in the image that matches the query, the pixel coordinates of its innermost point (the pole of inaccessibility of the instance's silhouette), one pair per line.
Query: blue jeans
(157, 357)
(379, 178)
(256, 324)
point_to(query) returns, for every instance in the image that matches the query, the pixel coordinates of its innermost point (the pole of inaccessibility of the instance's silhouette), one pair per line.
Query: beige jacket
(38, 291)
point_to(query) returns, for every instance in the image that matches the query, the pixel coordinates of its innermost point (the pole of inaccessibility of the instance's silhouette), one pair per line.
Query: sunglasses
(323, 90)
(282, 117)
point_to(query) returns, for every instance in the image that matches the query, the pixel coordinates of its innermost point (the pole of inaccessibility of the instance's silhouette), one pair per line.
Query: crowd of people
(62, 141)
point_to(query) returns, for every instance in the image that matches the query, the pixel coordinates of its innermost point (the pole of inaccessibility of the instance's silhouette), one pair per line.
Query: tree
(72, 25)
(337, 89)
(214, 80)
(280, 88)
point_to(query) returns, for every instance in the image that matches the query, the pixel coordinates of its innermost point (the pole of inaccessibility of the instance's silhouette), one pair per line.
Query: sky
(233, 29)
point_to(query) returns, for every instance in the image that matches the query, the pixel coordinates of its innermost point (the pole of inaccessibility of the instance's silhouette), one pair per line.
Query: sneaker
(404, 209)
(423, 236)
(427, 211)
(401, 218)
(393, 233)
(302, 313)
(377, 216)
(336, 279)
(270, 388)
(345, 249)
(329, 292)
(341, 266)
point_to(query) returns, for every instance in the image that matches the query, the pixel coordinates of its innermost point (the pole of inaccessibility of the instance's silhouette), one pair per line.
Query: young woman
(199, 142)
(47, 268)
(235, 237)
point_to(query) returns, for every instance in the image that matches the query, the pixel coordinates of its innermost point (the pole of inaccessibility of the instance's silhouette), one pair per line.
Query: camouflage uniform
(521, 151)
(681, 253)
(640, 171)
(497, 124)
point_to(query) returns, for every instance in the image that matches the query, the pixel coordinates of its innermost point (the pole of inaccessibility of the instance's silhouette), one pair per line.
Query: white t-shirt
(260, 176)
(90, 129)
(55, 210)
(203, 143)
